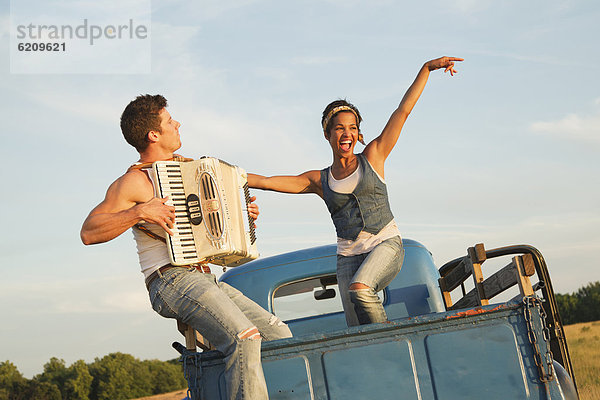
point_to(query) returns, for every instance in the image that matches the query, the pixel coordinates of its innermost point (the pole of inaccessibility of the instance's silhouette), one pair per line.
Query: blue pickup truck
(452, 334)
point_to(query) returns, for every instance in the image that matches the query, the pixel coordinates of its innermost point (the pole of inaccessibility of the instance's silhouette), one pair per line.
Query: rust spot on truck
(475, 311)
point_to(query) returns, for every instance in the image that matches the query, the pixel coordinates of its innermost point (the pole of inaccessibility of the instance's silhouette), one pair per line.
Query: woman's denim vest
(366, 208)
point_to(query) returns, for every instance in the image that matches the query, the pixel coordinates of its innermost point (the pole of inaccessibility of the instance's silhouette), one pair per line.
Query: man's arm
(128, 201)
(308, 182)
(381, 147)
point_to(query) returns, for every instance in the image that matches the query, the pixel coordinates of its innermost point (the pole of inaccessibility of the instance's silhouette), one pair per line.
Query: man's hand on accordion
(253, 209)
(156, 211)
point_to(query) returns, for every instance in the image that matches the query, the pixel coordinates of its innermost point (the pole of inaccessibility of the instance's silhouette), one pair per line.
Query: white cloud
(540, 59)
(352, 3)
(470, 6)
(97, 108)
(216, 8)
(173, 52)
(113, 295)
(281, 75)
(245, 140)
(574, 127)
(200, 10)
(317, 60)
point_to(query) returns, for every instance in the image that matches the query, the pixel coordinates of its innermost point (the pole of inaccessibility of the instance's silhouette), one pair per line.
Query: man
(229, 320)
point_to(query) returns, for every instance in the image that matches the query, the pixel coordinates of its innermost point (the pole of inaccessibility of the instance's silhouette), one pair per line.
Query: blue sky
(505, 152)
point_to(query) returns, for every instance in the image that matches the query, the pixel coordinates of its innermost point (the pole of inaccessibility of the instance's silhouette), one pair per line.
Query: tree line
(581, 306)
(115, 376)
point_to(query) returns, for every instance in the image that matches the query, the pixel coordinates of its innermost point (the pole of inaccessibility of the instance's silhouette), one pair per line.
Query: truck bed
(497, 351)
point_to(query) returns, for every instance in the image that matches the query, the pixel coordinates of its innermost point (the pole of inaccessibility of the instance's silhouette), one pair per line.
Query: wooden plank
(469, 300)
(474, 260)
(492, 286)
(528, 265)
(181, 327)
(469, 265)
(202, 342)
(478, 254)
(452, 280)
(497, 283)
(192, 337)
(500, 281)
(457, 276)
(515, 273)
(522, 278)
(445, 293)
(188, 332)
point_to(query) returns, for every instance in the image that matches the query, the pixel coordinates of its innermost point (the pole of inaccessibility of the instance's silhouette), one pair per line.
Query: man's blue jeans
(375, 269)
(221, 314)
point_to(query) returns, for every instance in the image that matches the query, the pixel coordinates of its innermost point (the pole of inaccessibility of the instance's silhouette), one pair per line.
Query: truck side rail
(528, 261)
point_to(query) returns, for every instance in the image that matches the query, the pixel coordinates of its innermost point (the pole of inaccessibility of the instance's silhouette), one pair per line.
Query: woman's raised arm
(380, 148)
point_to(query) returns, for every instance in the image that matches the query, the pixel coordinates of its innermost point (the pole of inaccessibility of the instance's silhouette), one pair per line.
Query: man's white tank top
(152, 253)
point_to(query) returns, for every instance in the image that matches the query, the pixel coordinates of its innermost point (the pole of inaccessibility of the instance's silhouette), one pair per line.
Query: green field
(584, 347)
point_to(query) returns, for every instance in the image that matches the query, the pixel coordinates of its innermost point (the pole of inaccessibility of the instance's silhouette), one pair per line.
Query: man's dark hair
(339, 103)
(140, 117)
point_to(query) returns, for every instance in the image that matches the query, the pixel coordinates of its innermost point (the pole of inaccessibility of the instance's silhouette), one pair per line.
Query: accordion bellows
(212, 223)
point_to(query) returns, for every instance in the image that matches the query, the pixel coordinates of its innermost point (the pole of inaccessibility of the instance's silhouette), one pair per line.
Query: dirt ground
(178, 395)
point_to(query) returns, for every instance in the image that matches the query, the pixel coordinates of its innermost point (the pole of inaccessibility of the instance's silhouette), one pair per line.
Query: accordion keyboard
(182, 242)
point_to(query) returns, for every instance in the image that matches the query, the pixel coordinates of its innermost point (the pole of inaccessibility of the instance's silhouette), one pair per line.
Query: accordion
(212, 223)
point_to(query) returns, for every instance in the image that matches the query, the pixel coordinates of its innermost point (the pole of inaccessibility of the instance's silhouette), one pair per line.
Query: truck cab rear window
(307, 298)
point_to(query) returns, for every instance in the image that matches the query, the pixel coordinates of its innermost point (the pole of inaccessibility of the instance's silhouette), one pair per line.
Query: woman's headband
(339, 109)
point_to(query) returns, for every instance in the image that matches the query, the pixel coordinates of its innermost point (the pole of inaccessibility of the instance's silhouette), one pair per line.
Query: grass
(584, 346)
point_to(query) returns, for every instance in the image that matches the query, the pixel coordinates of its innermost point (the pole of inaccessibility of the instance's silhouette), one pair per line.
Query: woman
(369, 246)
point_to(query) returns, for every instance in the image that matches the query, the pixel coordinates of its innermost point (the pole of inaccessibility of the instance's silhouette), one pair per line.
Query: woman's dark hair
(334, 104)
